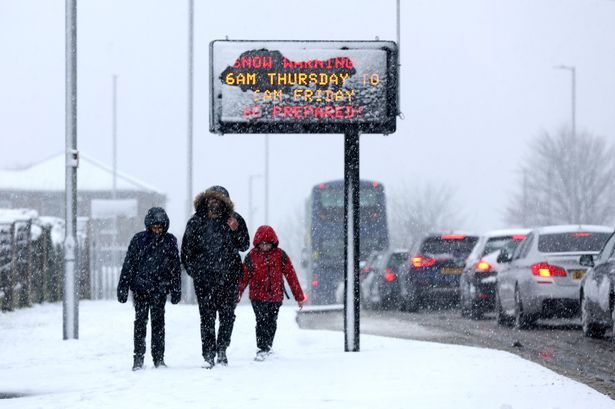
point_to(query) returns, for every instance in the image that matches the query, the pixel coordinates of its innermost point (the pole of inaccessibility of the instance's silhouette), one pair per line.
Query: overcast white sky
(477, 83)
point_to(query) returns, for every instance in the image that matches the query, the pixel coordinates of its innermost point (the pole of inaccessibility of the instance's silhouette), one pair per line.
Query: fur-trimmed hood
(200, 201)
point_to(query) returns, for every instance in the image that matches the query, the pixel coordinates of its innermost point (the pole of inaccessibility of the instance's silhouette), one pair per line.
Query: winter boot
(209, 362)
(261, 355)
(159, 363)
(138, 363)
(222, 359)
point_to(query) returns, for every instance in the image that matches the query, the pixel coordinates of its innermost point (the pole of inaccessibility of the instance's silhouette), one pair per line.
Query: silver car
(597, 292)
(542, 276)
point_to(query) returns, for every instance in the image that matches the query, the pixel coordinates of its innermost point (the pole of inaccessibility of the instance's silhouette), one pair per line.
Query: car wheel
(474, 311)
(464, 298)
(365, 303)
(412, 301)
(522, 321)
(612, 319)
(590, 329)
(500, 316)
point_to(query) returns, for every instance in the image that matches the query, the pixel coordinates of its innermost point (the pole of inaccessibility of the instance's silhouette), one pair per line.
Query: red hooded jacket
(265, 280)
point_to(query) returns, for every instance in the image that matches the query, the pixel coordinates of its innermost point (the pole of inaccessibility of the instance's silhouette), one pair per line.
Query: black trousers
(144, 306)
(215, 300)
(266, 322)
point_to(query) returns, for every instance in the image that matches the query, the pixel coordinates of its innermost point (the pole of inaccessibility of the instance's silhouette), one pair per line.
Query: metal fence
(32, 264)
(106, 257)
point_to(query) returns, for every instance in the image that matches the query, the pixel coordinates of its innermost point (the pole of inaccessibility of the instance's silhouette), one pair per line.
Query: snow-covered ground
(308, 370)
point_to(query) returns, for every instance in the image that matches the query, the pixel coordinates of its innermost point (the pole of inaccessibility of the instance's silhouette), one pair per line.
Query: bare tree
(414, 211)
(566, 179)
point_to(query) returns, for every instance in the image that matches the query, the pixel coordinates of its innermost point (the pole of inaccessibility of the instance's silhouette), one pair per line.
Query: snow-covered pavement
(308, 370)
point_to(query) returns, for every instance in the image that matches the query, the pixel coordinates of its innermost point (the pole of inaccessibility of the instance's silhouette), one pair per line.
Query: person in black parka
(151, 270)
(214, 236)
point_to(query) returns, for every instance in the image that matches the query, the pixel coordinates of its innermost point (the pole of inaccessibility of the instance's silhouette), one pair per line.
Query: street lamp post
(267, 179)
(572, 70)
(189, 142)
(251, 208)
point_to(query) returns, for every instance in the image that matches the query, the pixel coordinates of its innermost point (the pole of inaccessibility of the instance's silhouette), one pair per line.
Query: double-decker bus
(323, 256)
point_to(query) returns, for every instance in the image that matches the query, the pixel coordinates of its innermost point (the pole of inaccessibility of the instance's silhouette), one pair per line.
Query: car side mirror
(504, 257)
(587, 260)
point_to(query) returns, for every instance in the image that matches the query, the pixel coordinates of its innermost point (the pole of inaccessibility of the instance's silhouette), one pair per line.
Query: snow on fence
(32, 259)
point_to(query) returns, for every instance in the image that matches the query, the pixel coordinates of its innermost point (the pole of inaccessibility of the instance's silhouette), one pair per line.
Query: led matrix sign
(303, 86)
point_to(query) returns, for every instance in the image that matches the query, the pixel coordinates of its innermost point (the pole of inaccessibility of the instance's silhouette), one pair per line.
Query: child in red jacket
(264, 267)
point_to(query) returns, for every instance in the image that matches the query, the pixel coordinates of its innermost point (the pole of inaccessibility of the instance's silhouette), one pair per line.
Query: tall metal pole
(70, 305)
(574, 101)
(189, 158)
(114, 240)
(352, 245)
(114, 109)
(398, 53)
(250, 202)
(267, 179)
(573, 72)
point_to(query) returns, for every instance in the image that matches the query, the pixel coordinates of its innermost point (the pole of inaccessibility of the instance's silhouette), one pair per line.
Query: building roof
(49, 176)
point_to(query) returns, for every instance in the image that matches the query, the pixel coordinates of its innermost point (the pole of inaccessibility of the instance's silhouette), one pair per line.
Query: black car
(380, 287)
(436, 263)
(597, 292)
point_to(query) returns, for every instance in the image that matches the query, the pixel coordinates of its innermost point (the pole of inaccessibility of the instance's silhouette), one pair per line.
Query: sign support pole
(70, 305)
(351, 241)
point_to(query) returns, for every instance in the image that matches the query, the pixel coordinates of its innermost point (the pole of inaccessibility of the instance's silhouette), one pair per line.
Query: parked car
(380, 288)
(437, 261)
(597, 293)
(542, 278)
(477, 282)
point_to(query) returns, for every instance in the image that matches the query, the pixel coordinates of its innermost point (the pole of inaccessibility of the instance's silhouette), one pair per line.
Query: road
(556, 344)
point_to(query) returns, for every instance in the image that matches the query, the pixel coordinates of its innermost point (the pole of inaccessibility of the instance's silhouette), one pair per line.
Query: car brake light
(375, 184)
(582, 234)
(389, 275)
(547, 270)
(314, 280)
(322, 186)
(366, 269)
(418, 262)
(482, 266)
(518, 237)
(453, 237)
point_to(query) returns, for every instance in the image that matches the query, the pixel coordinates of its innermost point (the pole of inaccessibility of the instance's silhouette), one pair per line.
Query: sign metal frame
(385, 124)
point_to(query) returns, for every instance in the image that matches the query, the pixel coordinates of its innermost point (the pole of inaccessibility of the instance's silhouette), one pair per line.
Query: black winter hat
(218, 189)
(157, 215)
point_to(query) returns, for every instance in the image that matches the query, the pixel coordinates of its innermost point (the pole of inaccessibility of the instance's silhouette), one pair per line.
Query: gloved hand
(122, 297)
(176, 298)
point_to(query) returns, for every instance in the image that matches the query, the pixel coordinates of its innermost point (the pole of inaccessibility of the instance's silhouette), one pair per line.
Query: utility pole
(114, 136)
(573, 72)
(189, 158)
(250, 201)
(267, 179)
(399, 53)
(70, 304)
(114, 239)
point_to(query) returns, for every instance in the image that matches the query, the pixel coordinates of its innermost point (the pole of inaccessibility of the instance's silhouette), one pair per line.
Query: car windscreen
(397, 259)
(497, 243)
(570, 242)
(457, 247)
